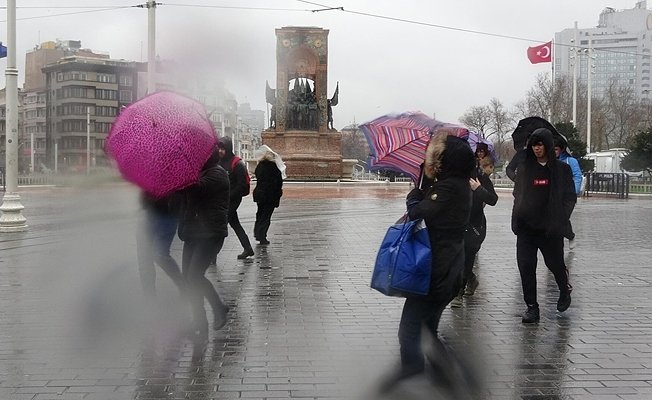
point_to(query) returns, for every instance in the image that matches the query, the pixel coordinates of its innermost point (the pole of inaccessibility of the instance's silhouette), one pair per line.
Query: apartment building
(81, 89)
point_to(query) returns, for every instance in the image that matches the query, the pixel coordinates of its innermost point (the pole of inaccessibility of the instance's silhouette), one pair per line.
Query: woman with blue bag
(445, 208)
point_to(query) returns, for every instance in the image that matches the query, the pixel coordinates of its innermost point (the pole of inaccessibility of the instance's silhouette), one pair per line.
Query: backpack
(235, 162)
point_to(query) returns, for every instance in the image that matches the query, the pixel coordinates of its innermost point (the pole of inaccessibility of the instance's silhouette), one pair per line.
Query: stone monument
(301, 117)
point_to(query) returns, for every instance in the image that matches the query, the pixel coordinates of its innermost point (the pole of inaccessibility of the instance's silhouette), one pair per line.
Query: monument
(301, 117)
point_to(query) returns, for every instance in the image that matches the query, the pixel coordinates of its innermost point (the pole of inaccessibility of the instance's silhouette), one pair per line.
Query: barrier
(607, 183)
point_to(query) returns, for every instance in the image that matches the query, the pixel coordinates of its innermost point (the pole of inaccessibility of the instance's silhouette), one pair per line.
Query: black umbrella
(528, 125)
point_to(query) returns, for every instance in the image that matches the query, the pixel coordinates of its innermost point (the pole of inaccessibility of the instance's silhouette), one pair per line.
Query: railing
(608, 183)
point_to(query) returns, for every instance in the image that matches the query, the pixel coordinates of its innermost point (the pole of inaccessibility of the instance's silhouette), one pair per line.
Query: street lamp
(12, 219)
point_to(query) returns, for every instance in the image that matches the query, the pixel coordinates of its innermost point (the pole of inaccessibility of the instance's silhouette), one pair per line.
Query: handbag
(403, 264)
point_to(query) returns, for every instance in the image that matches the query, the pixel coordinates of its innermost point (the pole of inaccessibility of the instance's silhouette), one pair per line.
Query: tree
(623, 114)
(354, 144)
(639, 157)
(477, 119)
(493, 121)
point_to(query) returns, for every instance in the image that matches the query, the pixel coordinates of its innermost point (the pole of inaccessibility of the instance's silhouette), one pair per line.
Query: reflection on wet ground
(303, 321)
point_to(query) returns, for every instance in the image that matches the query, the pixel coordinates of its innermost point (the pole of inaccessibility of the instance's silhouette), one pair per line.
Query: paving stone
(304, 322)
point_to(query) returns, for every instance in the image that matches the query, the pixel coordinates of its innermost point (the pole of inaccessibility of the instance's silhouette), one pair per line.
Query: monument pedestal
(308, 155)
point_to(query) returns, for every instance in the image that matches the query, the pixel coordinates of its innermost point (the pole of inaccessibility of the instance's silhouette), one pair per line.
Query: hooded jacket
(544, 195)
(575, 169)
(205, 205)
(237, 176)
(445, 208)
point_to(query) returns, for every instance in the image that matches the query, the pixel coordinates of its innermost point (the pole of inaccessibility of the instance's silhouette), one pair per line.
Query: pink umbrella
(398, 141)
(161, 142)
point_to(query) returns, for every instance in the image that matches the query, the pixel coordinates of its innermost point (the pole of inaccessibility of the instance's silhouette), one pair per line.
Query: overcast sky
(382, 65)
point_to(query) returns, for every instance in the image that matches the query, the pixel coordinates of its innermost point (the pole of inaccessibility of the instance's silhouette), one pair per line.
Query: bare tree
(477, 119)
(623, 116)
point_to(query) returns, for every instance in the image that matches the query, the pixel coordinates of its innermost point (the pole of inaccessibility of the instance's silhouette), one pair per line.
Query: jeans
(155, 235)
(418, 312)
(197, 255)
(234, 221)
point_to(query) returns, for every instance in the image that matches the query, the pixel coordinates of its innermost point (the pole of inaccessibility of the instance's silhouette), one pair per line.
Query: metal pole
(56, 156)
(576, 60)
(588, 98)
(151, 46)
(88, 140)
(12, 219)
(31, 156)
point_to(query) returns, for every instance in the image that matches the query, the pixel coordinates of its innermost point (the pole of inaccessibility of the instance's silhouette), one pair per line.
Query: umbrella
(475, 138)
(398, 141)
(161, 142)
(525, 128)
(528, 125)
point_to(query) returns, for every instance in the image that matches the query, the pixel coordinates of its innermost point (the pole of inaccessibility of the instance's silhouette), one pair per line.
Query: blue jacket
(575, 169)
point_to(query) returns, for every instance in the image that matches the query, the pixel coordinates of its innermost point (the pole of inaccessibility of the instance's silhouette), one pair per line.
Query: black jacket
(445, 208)
(485, 194)
(205, 205)
(237, 175)
(269, 183)
(544, 196)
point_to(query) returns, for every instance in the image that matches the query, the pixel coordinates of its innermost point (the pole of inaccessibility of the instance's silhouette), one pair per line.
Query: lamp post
(12, 219)
(589, 68)
(576, 60)
(151, 46)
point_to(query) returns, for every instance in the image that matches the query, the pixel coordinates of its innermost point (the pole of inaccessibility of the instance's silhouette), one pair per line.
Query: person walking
(483, 193)
(561, 151)
(239, 180)
(445, 208)
(203, 227)
(544, 196)
(156, 231)
(270, 173)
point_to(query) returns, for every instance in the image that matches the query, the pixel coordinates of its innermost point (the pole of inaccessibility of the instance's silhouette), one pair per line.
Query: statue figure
(332, 102)
(270, 96)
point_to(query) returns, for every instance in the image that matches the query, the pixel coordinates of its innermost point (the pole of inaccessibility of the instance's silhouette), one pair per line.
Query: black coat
(445, 208)
(544, 196)
(205, 205)
(237, 175)
(269, 183)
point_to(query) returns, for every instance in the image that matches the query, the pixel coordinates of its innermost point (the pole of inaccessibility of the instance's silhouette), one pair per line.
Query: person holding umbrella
(544, 196)
(203, 227)
(445, 209)
(238, 178)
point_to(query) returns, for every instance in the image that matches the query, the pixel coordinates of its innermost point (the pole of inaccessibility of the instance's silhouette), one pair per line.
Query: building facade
(80, 90)
(621, 46)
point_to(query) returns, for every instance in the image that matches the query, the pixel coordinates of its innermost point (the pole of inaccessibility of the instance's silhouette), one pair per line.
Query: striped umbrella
(398, 141)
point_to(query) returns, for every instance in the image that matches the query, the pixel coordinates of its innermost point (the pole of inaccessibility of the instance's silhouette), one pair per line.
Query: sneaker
(571, 244)
(564, 301)
(471, 286)
(456, 302)
(247, 253)
(531, 314)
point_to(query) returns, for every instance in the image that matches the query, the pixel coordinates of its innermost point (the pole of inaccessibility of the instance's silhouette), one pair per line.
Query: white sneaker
(571, 244)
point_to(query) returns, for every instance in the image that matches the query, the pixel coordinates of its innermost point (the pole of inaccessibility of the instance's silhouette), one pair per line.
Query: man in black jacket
(239, 188)
(544, 196)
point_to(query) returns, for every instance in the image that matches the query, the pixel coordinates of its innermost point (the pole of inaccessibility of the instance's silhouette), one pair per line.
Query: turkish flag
(540, 54)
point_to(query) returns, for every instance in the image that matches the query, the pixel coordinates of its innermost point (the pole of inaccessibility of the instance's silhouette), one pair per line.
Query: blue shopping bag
(403, 264)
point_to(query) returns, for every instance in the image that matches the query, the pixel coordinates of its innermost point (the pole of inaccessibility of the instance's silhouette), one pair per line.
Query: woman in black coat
(267, 193)
(445, 208)
(203, 227)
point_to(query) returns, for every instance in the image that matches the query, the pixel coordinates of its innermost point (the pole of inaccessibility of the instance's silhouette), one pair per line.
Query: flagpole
(576, 61)
(552, 79)
(12, 219)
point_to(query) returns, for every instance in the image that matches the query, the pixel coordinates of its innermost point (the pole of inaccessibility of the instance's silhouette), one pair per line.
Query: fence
(608, 183)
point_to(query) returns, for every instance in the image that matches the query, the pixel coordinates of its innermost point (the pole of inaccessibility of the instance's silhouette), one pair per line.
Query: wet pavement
(304, 323)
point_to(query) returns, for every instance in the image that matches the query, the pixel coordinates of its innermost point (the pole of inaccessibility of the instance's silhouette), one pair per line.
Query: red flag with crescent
(540, 54)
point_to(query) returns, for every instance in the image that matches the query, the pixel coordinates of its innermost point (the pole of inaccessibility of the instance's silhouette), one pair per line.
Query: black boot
(564, 301)
(246, 253)
(531, 314)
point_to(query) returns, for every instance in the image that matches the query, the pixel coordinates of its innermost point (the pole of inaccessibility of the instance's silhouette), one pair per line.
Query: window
(105, 94)
(102, 127)
(125, 96)
(126, 80)
(106, 78)
(59, 76)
